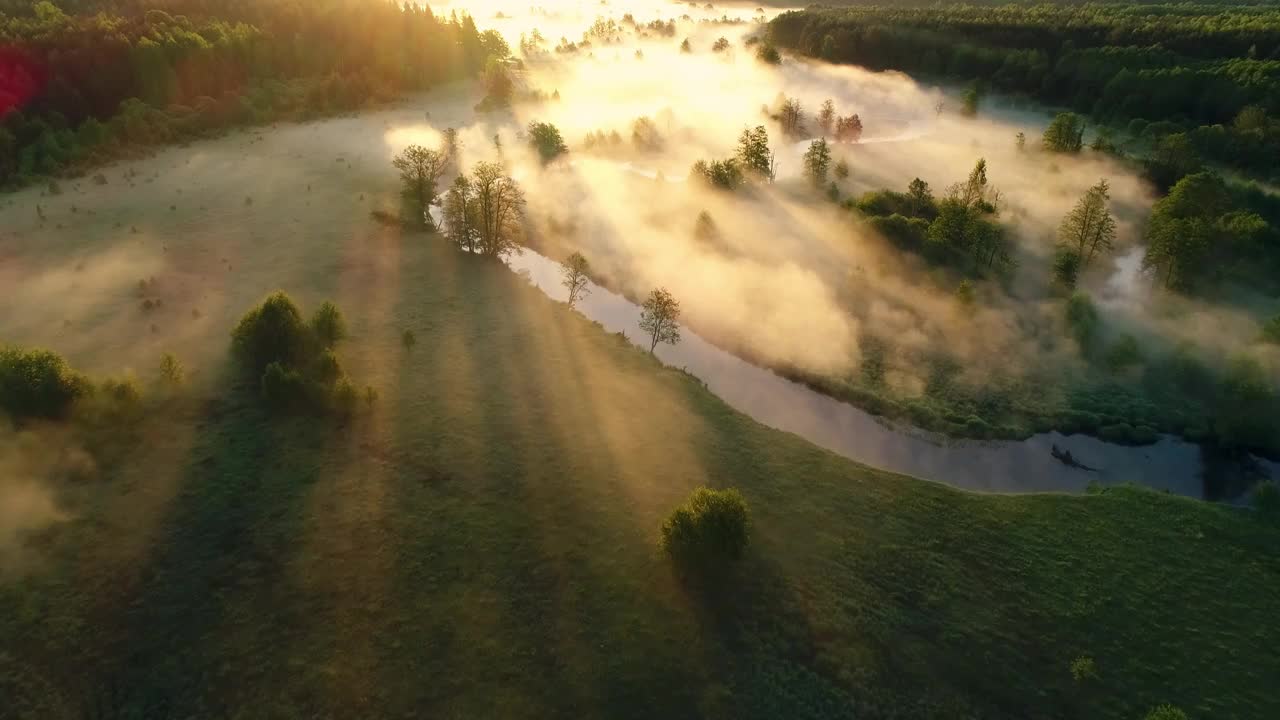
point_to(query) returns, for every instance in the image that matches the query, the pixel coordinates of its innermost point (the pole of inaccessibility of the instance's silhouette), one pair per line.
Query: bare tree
(420, 169)
(827, 117)
(573, 272)
(499, 208)
(660, 317)
(791, 117)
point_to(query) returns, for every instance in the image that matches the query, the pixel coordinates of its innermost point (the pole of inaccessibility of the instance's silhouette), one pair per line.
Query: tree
(1173, 158)
(1246, 405)
(723, 174)
(791, 117)
(841, 169)
(420, 170)
(171, 372)
(546, 139)
(768, 54)
(827, 117)
(708, 531)
(817, 161)
(459, 211)
(273, 332)
(1182, 229)
(1020, 141)
(645, 135)
(451, 147)
(684, 46)
(754, 154)
(37, 384)
(720, 45)
(328, 325)
(1082, 321)
(497, 83)
(660, 316)
(1065, 134)
(498, 206)
(970, 100)
(1066, 266)
(1089, 227)
(573, 274)
(921, 197)
(849, 129)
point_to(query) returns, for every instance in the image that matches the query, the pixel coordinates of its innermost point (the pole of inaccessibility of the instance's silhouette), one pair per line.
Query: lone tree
(754, 154)
(420, 169)
(546, 139)
(660, 316)
(1089, 227)
(817, 161)
(574, 277)
(720, 45)
(1065, 134)
(827, 117)
(499, 209)
(709, 531)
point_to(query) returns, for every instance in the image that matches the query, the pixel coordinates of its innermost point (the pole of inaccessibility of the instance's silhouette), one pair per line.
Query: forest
(82, 88)
(1206, 73)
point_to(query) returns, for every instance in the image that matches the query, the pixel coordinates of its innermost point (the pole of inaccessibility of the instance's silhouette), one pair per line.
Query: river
(1021, 466)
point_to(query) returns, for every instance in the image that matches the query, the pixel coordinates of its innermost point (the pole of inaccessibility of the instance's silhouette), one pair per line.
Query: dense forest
(1207, 73)
(85, 87)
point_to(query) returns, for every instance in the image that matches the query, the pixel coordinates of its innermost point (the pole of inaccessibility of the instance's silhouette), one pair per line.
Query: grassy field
(482, 543)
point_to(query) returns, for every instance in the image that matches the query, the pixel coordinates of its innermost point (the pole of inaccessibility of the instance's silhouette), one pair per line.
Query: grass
(482, 542)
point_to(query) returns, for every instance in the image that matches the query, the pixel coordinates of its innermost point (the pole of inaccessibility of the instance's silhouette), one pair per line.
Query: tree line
(1208, 72)
(86, 87)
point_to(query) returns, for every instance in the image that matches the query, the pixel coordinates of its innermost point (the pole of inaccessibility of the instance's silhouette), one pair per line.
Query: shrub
(325, 368)
(37, 383)
(408, 340)
(1083, 668)
(344, 398)
(1166, 712)
(284, 389)
(273, 332)
(1266, 497)
(328, 325)
(171, 371)
(708, 531)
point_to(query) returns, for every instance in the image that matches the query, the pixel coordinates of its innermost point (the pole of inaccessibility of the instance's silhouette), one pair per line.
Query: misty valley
(638, 359)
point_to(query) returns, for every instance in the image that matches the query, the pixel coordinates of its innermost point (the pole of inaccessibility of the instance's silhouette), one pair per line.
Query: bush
(1166, 712)
(1083, 668)
(285, 390)
(171, 371)
(328, 325)
(273, 332)
(408, 340)
(37, 383)
(708, 531)
(1266, 497)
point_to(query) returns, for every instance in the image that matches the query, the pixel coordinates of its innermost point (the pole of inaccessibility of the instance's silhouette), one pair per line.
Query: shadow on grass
(211, 611)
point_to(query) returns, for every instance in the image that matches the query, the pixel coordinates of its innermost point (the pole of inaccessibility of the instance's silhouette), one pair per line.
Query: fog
(793, 279)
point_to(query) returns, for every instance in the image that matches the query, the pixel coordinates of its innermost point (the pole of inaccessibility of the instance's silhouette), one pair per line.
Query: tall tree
(573, 274)
(1089, 227)
(791, 117)
(921, 197)
(817, 161)
(459, 214)
(420, 169)
(754, 154)
(660, 317)
(499, 208)
(1065, 134)
(827, 116)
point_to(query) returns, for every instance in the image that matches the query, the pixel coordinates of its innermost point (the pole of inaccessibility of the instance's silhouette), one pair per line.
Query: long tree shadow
(212, 606)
